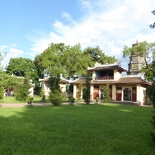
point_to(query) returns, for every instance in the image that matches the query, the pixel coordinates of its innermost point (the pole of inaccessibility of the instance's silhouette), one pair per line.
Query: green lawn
(107, 129)
(11, 99)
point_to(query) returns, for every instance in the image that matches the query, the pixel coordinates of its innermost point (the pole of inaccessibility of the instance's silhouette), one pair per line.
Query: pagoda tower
(136, 62)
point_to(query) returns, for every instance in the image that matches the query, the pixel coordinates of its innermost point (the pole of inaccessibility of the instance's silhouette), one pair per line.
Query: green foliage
(54, 83)
(29, 99)
(68, 60)
(71, 99)
(97, 99)
(97, 55)
(1, 92)
(55, 97)
(22, 90)
(144, 49)
(147, 50)
(55, 94)
(39, 67)
(42, 92)
(79, 91)
(87, 90)
(106, 91)
(23, 67)
(8, 81)
(153, 25)
(152, 98)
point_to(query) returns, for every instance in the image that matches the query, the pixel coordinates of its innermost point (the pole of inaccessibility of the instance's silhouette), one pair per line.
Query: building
(122, 87)
(130, 87)
(46, 85)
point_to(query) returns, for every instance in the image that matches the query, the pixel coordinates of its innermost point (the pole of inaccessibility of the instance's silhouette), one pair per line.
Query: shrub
(71, 99)
(29, 99)
(1, 92)
(97, 99)
(55, 97)
(22, 90)
(106, 97)
(87, 90)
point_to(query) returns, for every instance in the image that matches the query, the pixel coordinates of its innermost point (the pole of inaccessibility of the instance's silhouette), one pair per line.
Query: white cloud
(109, 24)
(11, 52)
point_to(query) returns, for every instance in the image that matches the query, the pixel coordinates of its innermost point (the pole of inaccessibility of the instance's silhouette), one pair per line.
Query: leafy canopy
(69, 60)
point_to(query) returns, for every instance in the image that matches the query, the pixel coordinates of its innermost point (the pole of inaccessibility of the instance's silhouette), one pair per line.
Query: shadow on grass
(79, 129)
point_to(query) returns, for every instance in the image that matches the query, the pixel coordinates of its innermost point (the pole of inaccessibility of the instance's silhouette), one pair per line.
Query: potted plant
(29, 100)
(71, 99)
(97, 99)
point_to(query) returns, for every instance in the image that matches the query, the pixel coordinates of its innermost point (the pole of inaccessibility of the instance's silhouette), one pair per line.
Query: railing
(105, 78)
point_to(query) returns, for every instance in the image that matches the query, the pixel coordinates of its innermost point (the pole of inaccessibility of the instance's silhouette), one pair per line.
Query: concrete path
(19, 105)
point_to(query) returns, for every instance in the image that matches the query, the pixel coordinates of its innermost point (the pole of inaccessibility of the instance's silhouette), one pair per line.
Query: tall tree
(61, 59)
(37, 63)
(106, 91)
(70, 60)
(153, 87)
(87, 89)
(97, 55)
(55, 94)
(23, 67)
(75, 61)
(22, 90)
(50, 60)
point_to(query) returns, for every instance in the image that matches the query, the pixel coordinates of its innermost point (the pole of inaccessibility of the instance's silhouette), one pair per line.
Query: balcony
(105, 78)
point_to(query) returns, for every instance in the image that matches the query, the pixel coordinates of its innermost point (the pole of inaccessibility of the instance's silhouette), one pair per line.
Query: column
(74, 91)
(114, 92)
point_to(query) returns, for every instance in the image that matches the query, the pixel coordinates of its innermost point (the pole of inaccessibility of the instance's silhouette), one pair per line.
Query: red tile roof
(123, 80)
(107, 67)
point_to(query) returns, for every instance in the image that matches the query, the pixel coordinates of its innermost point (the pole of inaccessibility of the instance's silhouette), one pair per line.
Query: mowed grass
(12, 99)
(99, 129)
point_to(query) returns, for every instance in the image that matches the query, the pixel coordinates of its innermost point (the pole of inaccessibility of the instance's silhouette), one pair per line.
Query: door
(127, 94)
(134, 94)
(96, 92)
(119, 94)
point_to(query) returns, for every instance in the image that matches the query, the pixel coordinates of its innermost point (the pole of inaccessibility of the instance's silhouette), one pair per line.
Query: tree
(106, 97)
(7, 82)
(79, 91)
(55, 92)
(87, 90)
(76, 62)
(37, 63)
(22, 90)
(153, 25)
(1, 92)
(98, 56)
(62, 59)
(23, 67)
(147, 50)
(70, 61)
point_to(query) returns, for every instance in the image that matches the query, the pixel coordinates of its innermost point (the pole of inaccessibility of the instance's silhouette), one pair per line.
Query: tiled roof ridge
(117, 64)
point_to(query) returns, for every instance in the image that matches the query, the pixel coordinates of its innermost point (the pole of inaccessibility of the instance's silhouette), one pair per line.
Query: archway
(127, 94)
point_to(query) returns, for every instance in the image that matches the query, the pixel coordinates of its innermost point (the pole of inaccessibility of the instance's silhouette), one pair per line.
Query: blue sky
(27, 27)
